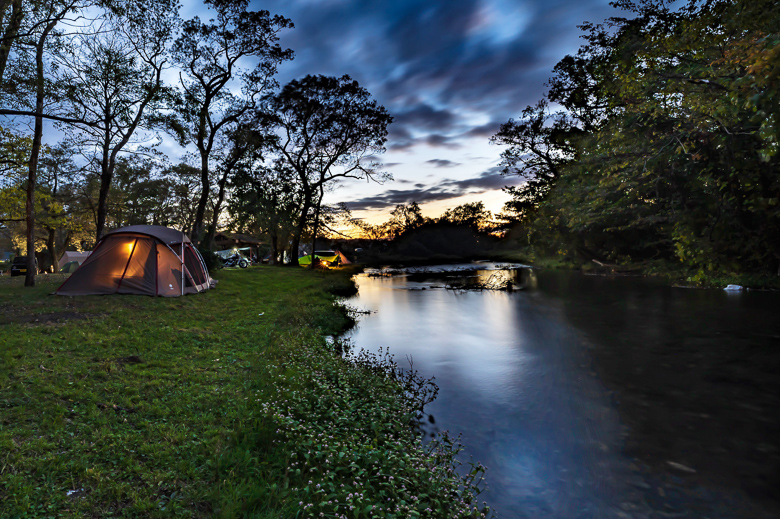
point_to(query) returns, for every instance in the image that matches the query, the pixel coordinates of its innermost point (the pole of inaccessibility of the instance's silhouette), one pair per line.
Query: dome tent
(140, 259)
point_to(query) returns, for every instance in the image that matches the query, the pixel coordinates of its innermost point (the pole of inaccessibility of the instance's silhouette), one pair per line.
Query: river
(565, 389)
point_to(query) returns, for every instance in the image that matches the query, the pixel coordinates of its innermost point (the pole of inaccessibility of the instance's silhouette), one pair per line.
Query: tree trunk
(296, 239)
(102, 209)
(10, 34)
(29, 279)
(316, 226)
(217, 208)
(51, 245)
(32, 175)
(274, 259)
(200, 213)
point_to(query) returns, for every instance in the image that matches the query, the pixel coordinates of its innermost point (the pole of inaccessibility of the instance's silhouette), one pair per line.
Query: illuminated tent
(330, 257)
(140, 259)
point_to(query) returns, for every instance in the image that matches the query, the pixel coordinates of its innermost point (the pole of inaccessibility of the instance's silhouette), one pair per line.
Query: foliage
(266, 201)
(539, 147)
(354, 451)
(404, 218)
(461, 233)
(670, 152)
(472, 215)
(210, 258)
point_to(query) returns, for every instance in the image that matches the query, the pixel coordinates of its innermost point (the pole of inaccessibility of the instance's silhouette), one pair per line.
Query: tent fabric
(70, 255)
(70, 267)
(164, 234)
(143, 260)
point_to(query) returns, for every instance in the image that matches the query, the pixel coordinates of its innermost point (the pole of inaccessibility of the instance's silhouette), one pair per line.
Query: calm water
(515, 376)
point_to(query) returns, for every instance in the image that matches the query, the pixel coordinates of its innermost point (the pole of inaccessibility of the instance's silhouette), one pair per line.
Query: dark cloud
(446, 189)
(442, 163)
(435, 140)
(424, 117)
(485, 130)
(441, 141)
(425, 57)
(437, 65)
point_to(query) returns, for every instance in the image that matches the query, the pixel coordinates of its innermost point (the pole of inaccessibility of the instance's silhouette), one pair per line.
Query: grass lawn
(221, 404)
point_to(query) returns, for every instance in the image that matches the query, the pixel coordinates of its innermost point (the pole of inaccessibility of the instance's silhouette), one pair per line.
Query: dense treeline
(466, 232)
(111, 77)
(658, 141)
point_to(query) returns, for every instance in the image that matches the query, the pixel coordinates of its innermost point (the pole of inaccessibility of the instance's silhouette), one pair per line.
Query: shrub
(212, 261)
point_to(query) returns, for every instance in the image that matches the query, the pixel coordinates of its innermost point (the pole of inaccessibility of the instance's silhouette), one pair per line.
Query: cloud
(488, 180)
(435, 140)
(442, 163)
(425, 60)
(425, 117)
(486, 130)
(437, 66)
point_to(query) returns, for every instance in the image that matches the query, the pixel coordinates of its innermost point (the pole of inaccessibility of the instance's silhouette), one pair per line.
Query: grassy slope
(78, 412)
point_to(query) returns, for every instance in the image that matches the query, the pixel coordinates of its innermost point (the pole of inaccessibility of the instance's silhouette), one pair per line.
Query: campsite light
(130, 247)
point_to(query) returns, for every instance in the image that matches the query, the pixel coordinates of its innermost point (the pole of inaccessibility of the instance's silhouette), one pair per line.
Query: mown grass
(125, 404)
(205, 405)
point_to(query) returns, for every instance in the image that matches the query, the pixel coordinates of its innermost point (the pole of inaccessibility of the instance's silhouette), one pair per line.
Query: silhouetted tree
(211, 57)
(326, 129)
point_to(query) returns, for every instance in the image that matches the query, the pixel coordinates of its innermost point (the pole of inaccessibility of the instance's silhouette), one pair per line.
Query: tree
(14, 153)
(404, 218)
(113, 81)
(267, 200)
(671, 148)
(540, 145)
(325, 129)
(11, 16)
(241, 145)
(43, 18)
(210, 56)
(55, 224)
(472, 215)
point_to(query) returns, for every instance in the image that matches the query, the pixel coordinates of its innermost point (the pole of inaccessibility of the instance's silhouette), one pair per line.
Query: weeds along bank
(223, 404)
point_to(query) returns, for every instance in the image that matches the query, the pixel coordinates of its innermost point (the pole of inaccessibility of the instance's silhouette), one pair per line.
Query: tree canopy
(665, 144)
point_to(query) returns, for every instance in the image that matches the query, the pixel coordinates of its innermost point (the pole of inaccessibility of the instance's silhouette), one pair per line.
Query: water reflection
(515, 380)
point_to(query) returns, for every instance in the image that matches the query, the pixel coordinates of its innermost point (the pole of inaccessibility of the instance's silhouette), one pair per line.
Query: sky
(450, 72)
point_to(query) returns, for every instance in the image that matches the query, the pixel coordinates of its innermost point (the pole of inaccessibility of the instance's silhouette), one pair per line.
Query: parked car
(19, 266)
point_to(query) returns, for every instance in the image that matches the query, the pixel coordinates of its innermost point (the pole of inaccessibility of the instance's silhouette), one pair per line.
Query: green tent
(70, 267)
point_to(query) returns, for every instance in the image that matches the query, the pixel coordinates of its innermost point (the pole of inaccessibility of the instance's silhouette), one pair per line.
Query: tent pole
(182, 263)
(132, 251)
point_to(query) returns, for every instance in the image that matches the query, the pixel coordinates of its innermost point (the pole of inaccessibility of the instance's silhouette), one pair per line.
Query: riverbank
(222, 404)
(674, 274)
